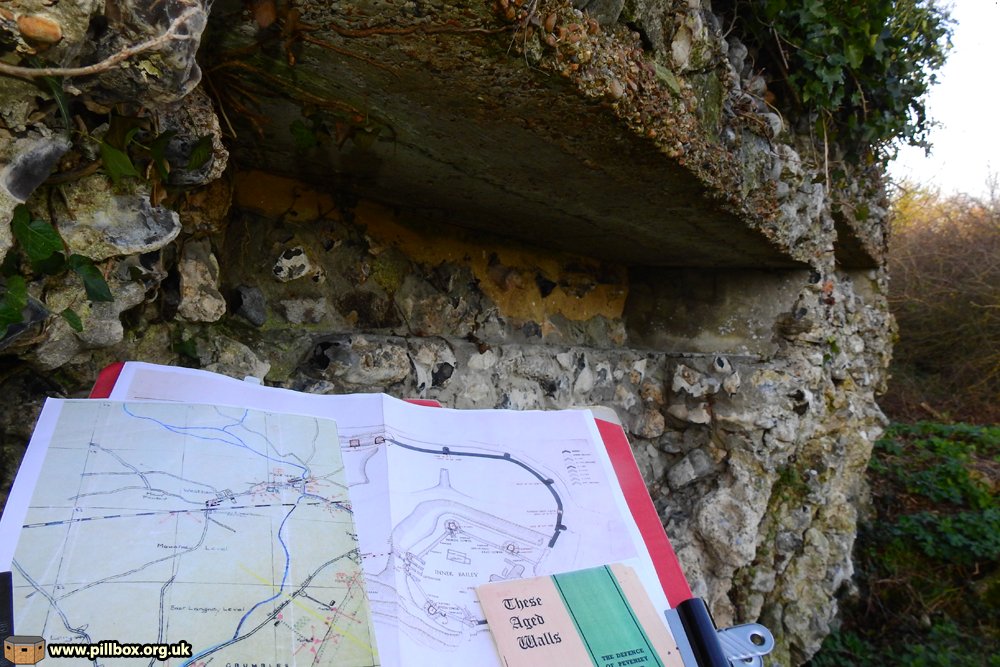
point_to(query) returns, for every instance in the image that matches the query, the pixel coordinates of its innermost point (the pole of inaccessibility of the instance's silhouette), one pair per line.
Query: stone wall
(742, 342)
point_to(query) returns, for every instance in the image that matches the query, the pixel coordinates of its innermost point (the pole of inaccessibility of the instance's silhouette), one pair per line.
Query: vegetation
(40, 251)
(858, 71)
(945, 294)
(928, 557)
(128, 152)
(929, 554)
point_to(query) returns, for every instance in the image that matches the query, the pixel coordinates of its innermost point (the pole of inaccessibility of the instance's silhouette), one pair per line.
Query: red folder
(668, 569)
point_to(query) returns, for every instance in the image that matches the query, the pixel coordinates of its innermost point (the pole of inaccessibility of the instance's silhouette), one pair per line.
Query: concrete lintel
(437, 113)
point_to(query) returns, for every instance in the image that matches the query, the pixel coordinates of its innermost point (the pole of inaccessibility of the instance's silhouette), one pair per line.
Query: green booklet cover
(598, 616)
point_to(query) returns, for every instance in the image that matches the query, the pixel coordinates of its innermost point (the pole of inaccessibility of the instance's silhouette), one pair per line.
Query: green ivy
(964, 538)
(929, 556)
(937, 467)
(39, 246)
(956, 512)
(122, 147)
(12, 302)
(944, 644)
(860, 70)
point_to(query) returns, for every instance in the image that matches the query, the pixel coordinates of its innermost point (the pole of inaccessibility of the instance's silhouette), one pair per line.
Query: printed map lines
(202, 510)
(548, 482)
(215, 434)
(269, 619)
(54, 601)
(53, 604)
(157, 463)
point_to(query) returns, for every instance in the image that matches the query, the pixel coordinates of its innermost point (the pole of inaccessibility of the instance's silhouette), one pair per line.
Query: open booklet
(442, 501)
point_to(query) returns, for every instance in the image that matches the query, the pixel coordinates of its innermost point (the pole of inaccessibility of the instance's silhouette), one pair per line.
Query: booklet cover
(599, 616)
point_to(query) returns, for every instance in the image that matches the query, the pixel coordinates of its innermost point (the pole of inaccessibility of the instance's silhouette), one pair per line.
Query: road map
(226, 528)
(445, 500)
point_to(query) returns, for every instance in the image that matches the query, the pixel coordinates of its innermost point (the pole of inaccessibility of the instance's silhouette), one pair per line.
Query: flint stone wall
(754, 453)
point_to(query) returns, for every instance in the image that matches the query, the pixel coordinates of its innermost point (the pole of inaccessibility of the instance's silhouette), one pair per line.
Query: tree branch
(170, 35)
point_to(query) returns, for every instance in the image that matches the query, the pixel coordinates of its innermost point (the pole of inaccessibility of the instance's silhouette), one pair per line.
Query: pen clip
(701, 644)
(746, 644)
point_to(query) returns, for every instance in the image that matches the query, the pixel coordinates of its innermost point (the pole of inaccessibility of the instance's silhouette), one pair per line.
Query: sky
(966, 145)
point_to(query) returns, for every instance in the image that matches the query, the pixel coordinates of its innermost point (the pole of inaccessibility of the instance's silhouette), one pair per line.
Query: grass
(928, 554)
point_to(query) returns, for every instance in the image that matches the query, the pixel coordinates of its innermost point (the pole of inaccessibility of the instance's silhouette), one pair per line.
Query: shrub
(944, 262)
(861, 69)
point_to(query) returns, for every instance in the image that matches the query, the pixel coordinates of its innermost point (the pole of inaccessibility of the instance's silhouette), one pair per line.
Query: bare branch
(170, 35)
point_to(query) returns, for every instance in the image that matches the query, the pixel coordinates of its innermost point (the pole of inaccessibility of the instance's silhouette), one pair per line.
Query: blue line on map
(284, 575)
(239, 626)
(191, 431)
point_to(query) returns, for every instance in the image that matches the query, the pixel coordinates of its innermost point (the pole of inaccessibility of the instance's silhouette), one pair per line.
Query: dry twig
(170, 35)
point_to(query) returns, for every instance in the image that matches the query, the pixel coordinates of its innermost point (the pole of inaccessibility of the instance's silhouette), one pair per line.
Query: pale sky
(965, 102)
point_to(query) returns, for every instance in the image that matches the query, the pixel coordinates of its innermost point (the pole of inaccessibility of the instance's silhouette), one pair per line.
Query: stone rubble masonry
(754, 453)
(759, 496)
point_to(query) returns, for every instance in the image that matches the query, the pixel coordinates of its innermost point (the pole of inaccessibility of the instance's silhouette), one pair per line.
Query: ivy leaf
(54, 84)
(93, 282)
(855, 55)
(13, 303)
(59, 95)
(38, 238)
(51, 265)
(21, 215)
(815, 7)
(200, 152)
(122, 129)
(304, 137)
(158, 151)
(878, 47)
(72, 319)
(116, 163)
(11, 265)
(130, 135)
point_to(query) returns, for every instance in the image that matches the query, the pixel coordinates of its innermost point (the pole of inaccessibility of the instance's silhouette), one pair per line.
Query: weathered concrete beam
(449, 109)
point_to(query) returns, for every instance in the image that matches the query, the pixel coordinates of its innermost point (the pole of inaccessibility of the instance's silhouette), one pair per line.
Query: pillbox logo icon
(24, 649)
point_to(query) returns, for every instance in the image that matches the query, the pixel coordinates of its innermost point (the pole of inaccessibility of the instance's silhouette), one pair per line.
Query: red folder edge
(106, 380)
(426, 402)
(668, 569)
